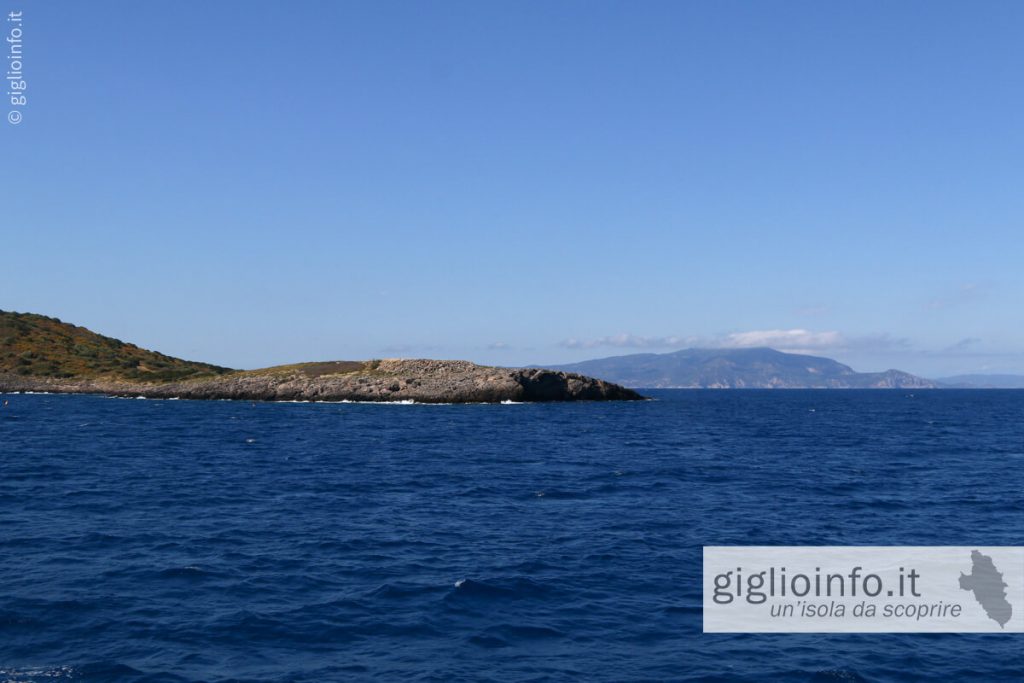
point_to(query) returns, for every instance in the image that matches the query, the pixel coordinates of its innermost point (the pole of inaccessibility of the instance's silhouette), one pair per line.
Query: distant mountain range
(757, 368)
(982, 382)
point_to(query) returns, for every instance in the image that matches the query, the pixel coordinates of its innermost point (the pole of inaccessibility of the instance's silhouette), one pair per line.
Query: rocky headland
(46, 355)
(421, 381)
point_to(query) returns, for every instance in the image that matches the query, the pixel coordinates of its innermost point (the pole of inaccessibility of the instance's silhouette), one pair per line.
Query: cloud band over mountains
(791, 341)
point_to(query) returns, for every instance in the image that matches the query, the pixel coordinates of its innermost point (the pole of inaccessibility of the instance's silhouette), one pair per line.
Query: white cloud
(630, 341)
(785, 340)
(965, 344)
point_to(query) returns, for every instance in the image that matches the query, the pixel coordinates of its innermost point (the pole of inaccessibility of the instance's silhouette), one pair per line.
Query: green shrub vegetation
(37, 346)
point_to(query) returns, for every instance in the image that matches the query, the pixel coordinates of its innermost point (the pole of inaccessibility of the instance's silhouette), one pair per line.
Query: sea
(165, 540)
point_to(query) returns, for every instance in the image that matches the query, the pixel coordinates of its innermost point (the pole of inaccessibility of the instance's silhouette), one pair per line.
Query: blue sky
(258, 183)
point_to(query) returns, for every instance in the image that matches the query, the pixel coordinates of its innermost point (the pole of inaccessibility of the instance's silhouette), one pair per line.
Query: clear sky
(253, 183)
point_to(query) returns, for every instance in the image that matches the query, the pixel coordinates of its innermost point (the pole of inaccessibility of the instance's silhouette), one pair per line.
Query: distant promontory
(44, 354)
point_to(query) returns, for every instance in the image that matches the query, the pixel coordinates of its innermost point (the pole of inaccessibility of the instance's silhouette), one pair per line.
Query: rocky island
(44, 354)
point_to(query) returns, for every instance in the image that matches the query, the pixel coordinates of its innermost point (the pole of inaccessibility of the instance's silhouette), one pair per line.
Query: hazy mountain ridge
(756, 368)
(980, 381)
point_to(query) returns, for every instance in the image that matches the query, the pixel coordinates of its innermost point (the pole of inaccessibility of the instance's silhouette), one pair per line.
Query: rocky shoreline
(421, 381)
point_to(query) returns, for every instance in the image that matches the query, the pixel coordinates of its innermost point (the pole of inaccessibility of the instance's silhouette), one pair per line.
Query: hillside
(36, 346)
(758, 368)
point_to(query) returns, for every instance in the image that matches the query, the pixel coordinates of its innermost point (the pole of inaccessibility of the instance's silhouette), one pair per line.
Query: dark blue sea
(147, 540)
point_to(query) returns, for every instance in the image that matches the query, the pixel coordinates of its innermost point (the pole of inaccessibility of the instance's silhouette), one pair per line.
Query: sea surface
(146, 540)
